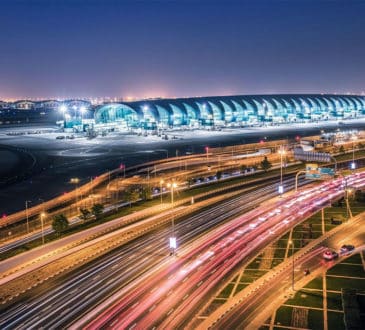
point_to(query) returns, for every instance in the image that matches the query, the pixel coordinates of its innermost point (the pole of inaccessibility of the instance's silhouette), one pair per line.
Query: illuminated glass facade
(239, 110)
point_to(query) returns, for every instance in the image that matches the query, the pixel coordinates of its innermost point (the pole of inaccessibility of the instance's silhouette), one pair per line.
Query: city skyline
(146, 49)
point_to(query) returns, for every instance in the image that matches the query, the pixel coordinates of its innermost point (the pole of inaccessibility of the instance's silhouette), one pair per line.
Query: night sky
(92, 48)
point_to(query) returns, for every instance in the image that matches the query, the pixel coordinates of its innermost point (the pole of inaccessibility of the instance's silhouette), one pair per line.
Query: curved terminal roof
(239, 109)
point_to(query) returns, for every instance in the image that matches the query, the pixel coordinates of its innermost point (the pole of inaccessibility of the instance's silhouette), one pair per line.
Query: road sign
(313, 172)
(326, 173)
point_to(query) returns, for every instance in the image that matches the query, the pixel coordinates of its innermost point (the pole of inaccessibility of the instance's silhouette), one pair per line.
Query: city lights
(182, 164)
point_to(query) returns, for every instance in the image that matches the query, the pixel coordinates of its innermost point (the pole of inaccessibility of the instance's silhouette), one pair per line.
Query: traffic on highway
(85, 288)
(169, 297)
(154, 288)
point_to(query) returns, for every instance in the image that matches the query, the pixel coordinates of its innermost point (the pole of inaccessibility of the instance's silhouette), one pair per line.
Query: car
(346, 248)
(330, 254)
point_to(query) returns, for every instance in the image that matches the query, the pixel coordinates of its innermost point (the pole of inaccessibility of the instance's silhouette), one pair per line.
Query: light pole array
(172, 239)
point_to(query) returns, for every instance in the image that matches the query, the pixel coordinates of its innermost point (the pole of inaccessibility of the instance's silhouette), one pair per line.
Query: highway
(250, 308)
(51, 307)
(146, 257)
(171, 295)
(70, 241)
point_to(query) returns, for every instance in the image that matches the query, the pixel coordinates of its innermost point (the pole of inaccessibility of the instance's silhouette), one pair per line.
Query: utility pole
(26, 214)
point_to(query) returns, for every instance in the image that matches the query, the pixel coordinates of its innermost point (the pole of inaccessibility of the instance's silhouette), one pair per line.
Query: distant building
(3, 105)
(24, 105)
(70, 112)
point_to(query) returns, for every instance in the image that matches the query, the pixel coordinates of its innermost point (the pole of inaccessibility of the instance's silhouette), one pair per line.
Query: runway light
(173, 244)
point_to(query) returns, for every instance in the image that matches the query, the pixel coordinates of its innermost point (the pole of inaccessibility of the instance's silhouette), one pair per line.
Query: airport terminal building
(194, 112)
(228, 111)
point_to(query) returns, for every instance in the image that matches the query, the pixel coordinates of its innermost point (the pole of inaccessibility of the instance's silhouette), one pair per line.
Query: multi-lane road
(172, 294)
(60, 302)
(252, 307)
(156, 289)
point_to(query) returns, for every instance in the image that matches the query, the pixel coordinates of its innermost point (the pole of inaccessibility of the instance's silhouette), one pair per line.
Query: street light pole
(172, 239)
(291, 242)
(281, 167)
(42, 226)
(353, 165)
(26, 214)
(348, 210)
(281, 188)
(76, 182)
(161, 183)
(296, 179)
(122, 167)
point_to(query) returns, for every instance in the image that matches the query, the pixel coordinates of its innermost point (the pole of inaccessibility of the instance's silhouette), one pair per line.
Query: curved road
(169, 296)
(91, 284)
(250, 308)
